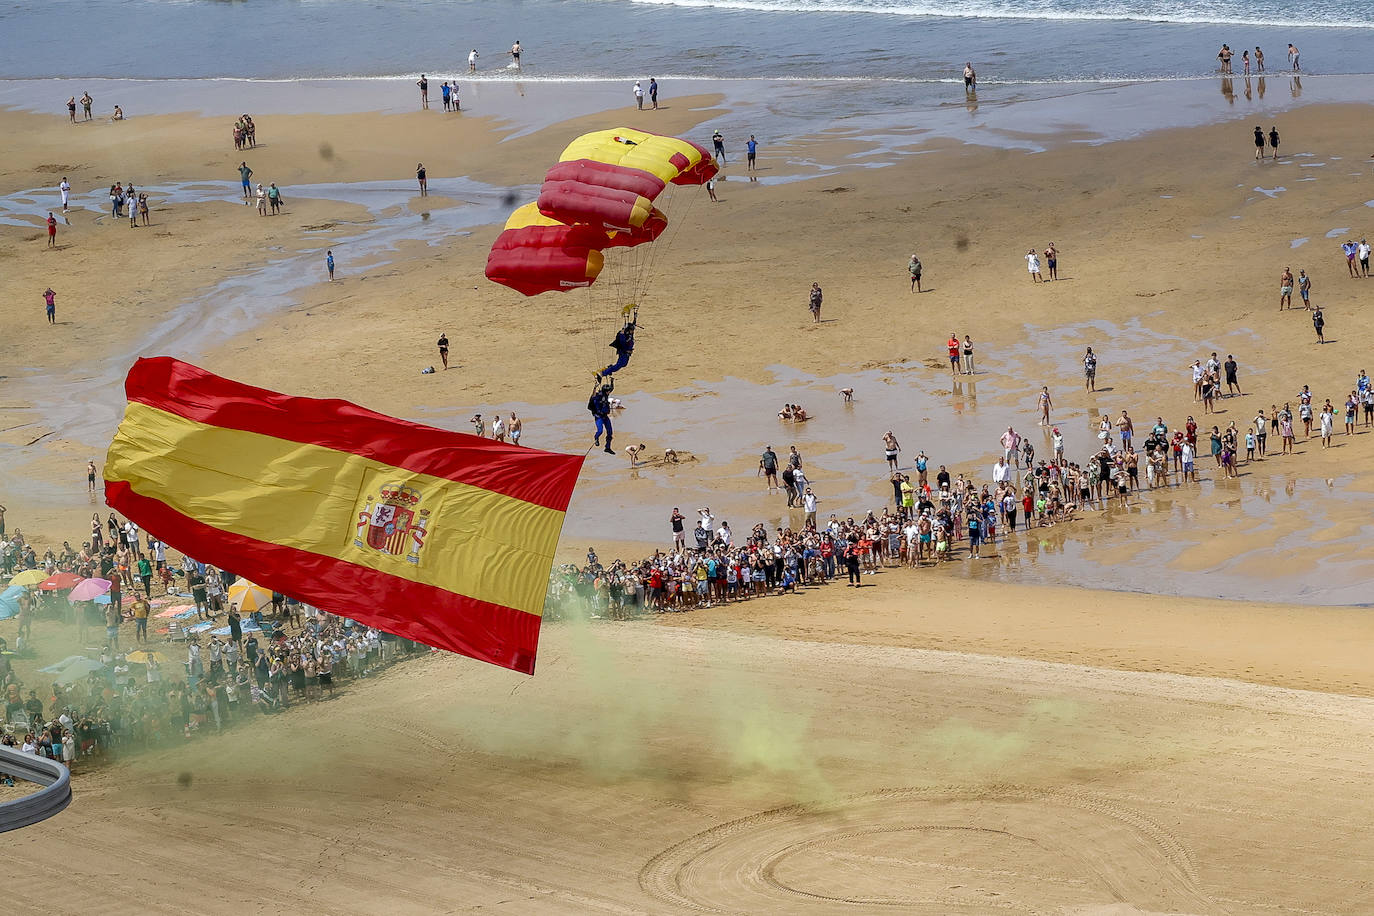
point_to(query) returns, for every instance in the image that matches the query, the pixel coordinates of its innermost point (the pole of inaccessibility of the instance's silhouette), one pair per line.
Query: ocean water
(916, 41)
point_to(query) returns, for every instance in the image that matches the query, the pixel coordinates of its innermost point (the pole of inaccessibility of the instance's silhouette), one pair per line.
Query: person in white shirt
(1033, 265)
(725, 535)
(472, 61)
(809, 505)
(1001, 471)
(66, 190)
(708, 521)
(639, 96)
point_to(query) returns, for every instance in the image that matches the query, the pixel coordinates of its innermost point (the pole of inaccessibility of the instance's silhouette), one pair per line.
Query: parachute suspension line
(681, 212)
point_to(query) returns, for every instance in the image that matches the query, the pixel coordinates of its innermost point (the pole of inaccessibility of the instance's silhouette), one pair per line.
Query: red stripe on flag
(479, 629)
(542, 478)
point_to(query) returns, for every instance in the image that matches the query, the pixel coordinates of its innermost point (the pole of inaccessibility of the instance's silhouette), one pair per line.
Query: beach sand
(1006, 735)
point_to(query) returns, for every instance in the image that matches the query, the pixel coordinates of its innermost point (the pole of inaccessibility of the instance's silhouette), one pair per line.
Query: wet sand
(654, 768)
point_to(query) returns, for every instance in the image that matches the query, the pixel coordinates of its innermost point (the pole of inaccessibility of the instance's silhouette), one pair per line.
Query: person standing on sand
(1052, 261)
(1362, 252)
(447, 94)
(1305, 288)
(718, 145)
(423, 83)
(1045, 403)
(245, 173)
(86, 102)
(653, 93)
(90, 476)
(954, 347)
(420, 177)
(1319, 323)
(1274, 142)
(968, 355)
(329, 264)
(815, 300)
(1033, 265)
(1090, 370)
(262, 201)
(1349, 249)
(71, 109)
(65, 189)
(1286, 289)
(1231, 368)
(1259, 142)
(52, 230)
(50, 305)
(274, 198)
(751, 149)
(913, 266)
(711, 189)
(443, 348)
(639, 96)
(516, 427)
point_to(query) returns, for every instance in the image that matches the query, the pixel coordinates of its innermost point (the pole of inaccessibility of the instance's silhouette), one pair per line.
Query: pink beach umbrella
(88, 589)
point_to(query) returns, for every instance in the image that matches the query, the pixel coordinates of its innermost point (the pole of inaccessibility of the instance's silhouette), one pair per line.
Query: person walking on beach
(472, 60)
(1274, 142)
(1259, 142)
(639, 96)
(65, 189)
(914, 268)
(274, 198)
(52, 230)
(86, 102)
(50, 305)
(1046, 404)
(420, 177)
(245, 173)
(1305, 288)
(653, 93)
(1319, 324)
(1293, 57)
(751, 149)
(1286, 289)
(815, 303)
(718, 144)
(1349, 249)
(1090, 370)
(443, 348)
(711, 189)
(329, 264)
(1033, 265)
(970, 78)
(423, 83)
(1259, 60)
(262, 200)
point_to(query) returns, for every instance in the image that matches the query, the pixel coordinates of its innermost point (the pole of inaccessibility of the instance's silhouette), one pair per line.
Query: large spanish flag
(440, 537)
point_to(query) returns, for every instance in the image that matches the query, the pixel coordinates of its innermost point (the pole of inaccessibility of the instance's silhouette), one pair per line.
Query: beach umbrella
(142, 656)
(248, 597)
(60, 580)
(29, 577)
(88, 589)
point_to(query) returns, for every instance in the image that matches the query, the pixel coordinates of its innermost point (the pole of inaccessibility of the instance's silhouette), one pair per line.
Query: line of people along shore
(943, 516)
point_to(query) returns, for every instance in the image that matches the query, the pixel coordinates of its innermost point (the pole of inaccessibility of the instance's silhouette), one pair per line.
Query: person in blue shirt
(653, 92)
(329, 263)
(448, 101)
(600, 406)
(753, 147)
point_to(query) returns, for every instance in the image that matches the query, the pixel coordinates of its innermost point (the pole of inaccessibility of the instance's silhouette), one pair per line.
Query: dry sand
(807, 755)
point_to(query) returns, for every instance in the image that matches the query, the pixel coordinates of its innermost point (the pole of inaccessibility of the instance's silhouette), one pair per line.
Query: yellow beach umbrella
(29, 577)
(248, 597)
(141, 657)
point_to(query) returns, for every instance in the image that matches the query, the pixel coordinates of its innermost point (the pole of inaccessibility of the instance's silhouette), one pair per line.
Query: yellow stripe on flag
(313, 498)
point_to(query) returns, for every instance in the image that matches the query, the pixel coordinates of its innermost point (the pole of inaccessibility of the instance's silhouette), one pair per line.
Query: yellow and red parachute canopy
(599, 195)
